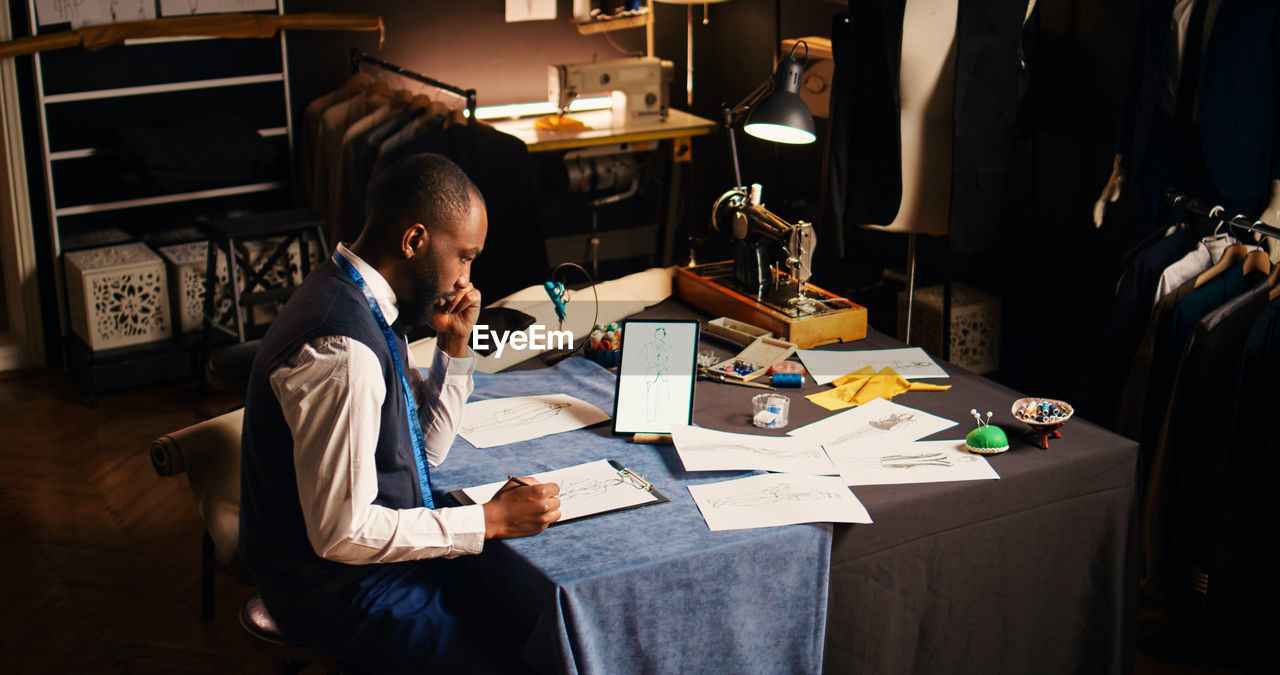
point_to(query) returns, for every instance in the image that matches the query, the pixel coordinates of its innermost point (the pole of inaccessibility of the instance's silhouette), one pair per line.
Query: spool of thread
(791, 380)
(788, 374)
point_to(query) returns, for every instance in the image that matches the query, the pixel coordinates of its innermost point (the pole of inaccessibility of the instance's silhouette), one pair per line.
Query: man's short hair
(426, 188)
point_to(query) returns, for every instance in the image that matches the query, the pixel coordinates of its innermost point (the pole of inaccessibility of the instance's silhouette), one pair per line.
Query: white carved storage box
(186, 264)
(117, 296)
(975, 326)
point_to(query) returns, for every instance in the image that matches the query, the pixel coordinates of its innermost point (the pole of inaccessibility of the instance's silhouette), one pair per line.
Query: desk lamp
(775, 110)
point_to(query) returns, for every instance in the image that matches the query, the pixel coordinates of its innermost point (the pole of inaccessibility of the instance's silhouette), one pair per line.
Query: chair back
(209, 453)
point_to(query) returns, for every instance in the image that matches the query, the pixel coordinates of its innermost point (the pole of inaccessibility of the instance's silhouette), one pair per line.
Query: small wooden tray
(764, 352)
(737, 332)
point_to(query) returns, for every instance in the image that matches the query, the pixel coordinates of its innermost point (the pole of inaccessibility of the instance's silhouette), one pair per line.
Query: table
(649, 590)
(1031, 573)
(676, 131)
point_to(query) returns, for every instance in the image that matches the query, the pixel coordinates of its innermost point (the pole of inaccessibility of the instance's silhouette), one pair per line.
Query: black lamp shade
(782, 116)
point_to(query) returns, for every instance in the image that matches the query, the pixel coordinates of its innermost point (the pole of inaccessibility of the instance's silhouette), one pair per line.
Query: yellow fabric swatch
(559, 123)
(865, 385)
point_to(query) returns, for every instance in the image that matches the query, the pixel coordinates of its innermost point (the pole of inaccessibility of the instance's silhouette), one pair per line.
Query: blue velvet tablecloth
(650, 590)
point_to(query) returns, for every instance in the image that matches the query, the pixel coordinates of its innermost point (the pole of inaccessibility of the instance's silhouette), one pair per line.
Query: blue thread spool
(790, 380)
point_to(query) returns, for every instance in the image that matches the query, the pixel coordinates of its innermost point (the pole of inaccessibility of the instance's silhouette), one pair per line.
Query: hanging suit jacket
(1201, 415)
(1238, 94)
(865, 171)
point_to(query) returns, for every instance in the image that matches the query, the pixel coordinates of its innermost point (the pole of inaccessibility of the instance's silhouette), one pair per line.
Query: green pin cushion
(986, 439)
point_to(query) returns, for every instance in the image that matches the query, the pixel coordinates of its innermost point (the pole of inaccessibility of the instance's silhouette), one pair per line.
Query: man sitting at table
(337, 522)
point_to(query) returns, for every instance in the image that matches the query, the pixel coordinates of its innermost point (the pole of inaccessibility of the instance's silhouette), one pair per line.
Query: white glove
(1111, 192)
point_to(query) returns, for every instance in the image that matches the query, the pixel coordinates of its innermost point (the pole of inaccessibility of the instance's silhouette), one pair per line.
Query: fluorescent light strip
(543, 108)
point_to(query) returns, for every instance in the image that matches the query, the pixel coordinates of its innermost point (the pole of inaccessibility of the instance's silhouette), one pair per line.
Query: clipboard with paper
(586, 490)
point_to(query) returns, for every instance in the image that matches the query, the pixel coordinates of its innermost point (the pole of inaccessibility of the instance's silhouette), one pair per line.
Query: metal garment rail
(1218, 213)
(358, 57)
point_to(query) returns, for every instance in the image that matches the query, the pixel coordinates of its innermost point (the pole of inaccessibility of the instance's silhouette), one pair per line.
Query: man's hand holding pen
(521, 508)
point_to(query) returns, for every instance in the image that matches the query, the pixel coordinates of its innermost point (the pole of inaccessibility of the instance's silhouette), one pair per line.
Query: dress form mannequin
(918, 83)
(926, 85)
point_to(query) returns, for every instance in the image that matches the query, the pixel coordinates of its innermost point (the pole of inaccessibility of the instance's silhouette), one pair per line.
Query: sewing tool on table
(709, 374)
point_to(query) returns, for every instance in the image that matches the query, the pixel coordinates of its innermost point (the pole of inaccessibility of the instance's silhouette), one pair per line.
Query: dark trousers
(424, 616)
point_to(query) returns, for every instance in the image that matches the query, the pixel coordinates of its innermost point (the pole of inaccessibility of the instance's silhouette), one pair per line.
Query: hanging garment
(341, 176)
(333, 126)
(865, 171)
(515, 254)
(1160, 413)
(1127, 320)
(1222, 549)
(361, 173)
(431, 120)
(1207, 252)
(1257, 505)
(311, 117)
(1133, 402)
(1190, 463)
(1238, 150)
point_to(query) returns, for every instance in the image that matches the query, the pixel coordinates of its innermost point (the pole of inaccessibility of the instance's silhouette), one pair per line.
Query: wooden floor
(101, 557)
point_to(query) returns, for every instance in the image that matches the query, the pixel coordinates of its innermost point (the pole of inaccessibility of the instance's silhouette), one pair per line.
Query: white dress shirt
(331, 393)
(1205, 255)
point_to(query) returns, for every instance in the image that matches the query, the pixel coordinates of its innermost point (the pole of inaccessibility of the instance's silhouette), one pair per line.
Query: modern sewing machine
(638, 86)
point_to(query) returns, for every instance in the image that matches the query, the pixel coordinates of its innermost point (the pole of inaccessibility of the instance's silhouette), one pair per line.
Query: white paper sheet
(918, 462)
(873, 425)
(912, 363)
(530, 10)
(585, 490)
(81, 13)
(775, 499)
(187, 7)
(709, 450)
(499, 421)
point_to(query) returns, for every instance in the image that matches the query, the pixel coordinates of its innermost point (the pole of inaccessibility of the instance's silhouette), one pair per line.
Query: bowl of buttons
(1045, 416)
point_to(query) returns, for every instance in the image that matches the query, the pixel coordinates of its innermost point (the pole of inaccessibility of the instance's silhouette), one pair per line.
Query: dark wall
(469, 44)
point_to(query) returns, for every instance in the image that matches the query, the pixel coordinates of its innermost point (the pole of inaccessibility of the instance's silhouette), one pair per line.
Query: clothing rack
(358, 57)
(1215, 213)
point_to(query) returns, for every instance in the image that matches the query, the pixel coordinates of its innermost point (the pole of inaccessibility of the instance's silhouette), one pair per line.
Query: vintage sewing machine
(767, 282)
(638, 86)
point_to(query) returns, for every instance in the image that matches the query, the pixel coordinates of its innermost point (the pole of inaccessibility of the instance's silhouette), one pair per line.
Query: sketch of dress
(515, 416)
(656, 357)
(759, 450)
(905, 365)
(782, 492)
(886, 423)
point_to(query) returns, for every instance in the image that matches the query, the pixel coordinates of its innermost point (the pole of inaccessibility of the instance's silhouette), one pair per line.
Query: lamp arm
(732, 115)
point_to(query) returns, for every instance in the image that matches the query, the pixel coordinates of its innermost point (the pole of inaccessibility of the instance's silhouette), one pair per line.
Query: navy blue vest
(273, 539)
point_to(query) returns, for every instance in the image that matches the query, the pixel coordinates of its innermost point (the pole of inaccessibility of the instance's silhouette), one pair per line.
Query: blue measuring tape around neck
(415, 429)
